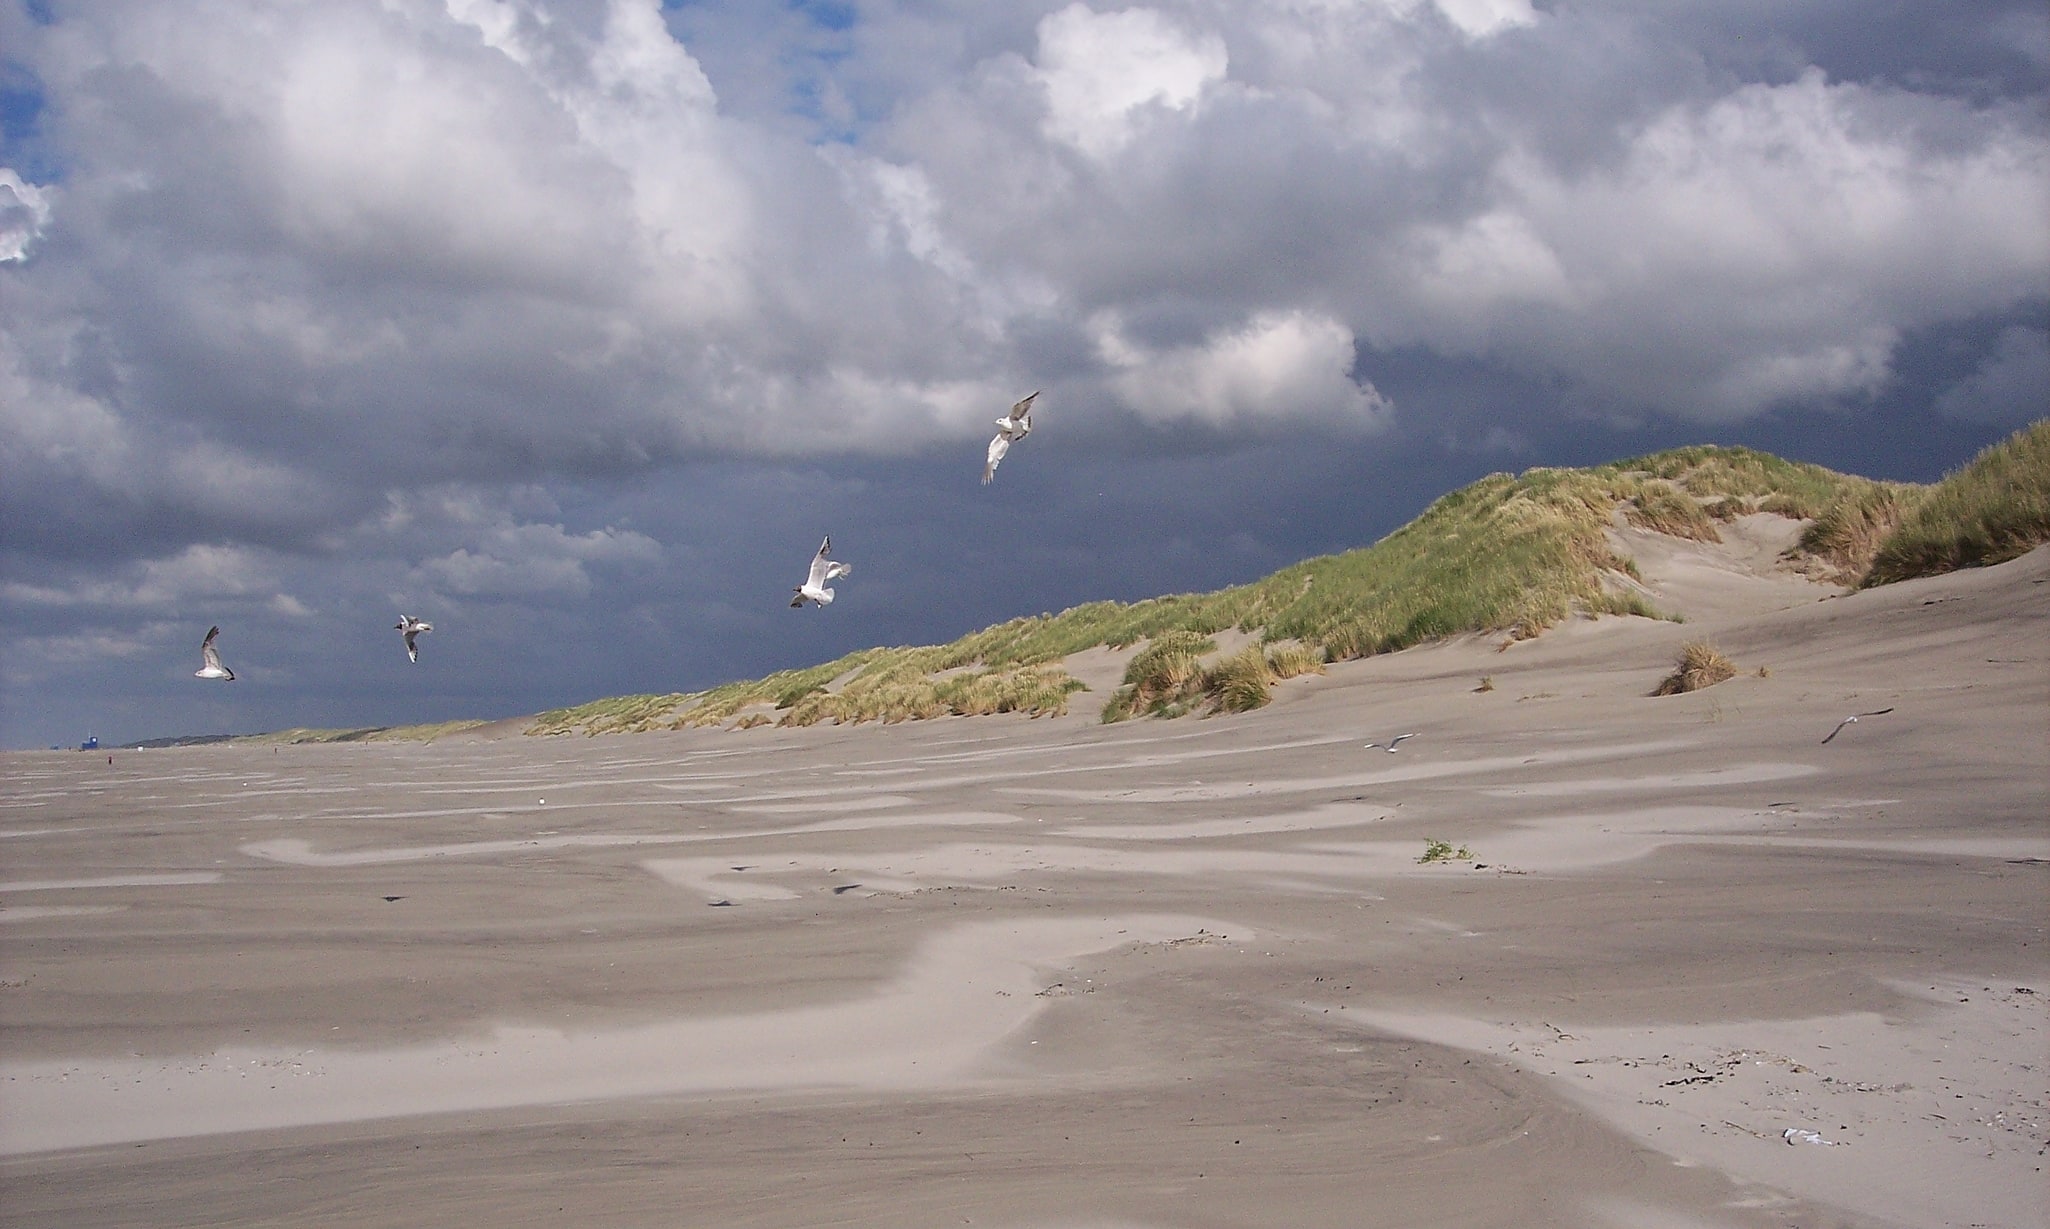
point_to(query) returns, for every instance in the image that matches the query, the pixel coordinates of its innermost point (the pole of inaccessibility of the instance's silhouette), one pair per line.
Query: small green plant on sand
(1436, 850)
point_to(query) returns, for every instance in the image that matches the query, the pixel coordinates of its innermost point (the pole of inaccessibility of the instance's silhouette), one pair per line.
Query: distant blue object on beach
(92, 743)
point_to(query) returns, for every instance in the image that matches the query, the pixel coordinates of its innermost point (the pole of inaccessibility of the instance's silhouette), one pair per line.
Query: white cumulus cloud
(527, 560)
(24, 212)
(1276, 366)
(1101, 70)
(1769, 246)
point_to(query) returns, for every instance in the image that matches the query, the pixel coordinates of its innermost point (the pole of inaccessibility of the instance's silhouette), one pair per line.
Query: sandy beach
(1053, 974)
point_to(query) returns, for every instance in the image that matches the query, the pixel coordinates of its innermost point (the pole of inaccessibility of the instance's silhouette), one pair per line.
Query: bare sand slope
(1055, 974)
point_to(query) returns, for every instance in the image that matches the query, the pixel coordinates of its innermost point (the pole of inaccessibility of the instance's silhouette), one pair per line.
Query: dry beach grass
(1058, 973)
(1699, 665)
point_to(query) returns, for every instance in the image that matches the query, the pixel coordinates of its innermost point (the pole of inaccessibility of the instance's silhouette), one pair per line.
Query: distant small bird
(213, 669)
(822, 570)
(1880, 712)
(1391, 742)
(411, 627)
(1011, 428)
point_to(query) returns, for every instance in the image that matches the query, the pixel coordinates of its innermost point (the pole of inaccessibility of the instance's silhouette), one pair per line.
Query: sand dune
(1051, 973)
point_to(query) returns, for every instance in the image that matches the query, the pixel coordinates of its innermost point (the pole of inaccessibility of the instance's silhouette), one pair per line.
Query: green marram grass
(375, 734)
(1848, 533)
(1162, 678)
(617, 715)
(1170, 678)
(1509, 554)
(1288, 660)
(1994, 509)
(1240, 683)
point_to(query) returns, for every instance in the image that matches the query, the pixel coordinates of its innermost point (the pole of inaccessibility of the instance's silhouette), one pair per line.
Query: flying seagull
(1391, 742)
(1011, 428)
(822, 570)
(1849, 720)
(412, 628)
(213, 669)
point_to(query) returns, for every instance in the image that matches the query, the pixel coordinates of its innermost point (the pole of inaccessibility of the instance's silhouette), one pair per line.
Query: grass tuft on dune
(1700, 665)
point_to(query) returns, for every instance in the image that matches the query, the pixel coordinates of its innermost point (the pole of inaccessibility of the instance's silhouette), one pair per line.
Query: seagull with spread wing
(410, 628)
(211, 659)
(822, 570)
(1852, 720)
(1011, 428)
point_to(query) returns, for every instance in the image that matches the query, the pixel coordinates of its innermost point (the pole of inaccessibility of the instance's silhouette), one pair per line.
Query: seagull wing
(210, 658)
(1023, 409)
(820, 565)
(412, 649)
(1852, 720)
(835, 568)
(997, 448)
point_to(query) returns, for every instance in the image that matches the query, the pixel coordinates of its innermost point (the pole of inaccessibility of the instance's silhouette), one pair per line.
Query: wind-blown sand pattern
(1050, 973)
(966, 989)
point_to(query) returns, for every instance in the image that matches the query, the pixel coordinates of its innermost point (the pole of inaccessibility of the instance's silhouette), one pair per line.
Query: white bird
(1011, 428)
(411, 628)
(213, 669)
(1391, 742)
(1851, 720)
(822, 570)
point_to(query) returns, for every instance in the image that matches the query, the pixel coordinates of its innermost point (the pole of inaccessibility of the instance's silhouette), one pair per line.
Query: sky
(572, 326)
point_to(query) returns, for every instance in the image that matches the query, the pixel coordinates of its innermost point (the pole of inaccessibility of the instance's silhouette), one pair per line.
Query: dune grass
(1994, 509)
(427, 732)
(1163, 678)
(1169, 678)
(1240, 683)
(616, 715)
(1287, 660)
(1510, 554)
(1701, 665)
(1847, 535)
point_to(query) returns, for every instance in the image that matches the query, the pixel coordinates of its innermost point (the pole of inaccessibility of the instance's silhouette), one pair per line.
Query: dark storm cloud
(573, 324)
